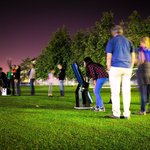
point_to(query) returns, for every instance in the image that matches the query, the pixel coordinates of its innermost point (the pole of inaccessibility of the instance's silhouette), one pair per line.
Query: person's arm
(141, 57)
(108, 61)
(34, 74)
(109, 51)
(132, 59)
(92, 74)
(94, 82)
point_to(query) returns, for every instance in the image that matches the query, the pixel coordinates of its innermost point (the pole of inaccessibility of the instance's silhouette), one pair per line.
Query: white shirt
(50, 78)
(32, 74)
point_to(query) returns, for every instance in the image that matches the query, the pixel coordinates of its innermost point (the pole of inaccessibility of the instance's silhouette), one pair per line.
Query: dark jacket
(3, 80)
(62, 74)
(17, 73)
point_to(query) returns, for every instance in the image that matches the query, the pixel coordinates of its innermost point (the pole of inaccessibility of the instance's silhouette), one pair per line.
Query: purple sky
(26, 27)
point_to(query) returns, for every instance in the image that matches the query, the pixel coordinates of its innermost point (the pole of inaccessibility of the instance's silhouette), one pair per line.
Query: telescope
(82, 94)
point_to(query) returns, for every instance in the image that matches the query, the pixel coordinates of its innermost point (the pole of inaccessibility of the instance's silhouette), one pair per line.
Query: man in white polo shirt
(32, 78)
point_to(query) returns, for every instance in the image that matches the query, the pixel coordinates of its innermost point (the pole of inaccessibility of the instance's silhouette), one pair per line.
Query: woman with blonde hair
(143, 73)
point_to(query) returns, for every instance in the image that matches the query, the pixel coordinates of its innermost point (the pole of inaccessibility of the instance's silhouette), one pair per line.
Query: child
(143, 72)
(99, 75)
(50, 81)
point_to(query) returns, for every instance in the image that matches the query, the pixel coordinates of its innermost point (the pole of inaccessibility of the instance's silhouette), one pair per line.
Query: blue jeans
(98, 86)
(144, 92)
(61, 86)
(17, 86)
(32, 86)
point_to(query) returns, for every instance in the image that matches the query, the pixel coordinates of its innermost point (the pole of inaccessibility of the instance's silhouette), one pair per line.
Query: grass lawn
(56, 125)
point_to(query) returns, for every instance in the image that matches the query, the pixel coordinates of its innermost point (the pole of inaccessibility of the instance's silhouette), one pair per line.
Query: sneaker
(50, 95)
(141, 113)
(97, 108)
(101, 109)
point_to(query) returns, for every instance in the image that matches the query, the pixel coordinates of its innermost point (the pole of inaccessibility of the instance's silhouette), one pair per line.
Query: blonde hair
(146, 41)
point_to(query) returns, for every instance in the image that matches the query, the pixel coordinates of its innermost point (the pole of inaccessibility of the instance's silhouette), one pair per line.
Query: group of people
(11, 80)
(121, 58)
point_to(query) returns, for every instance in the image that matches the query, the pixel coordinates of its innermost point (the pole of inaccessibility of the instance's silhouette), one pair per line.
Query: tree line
(65, 48)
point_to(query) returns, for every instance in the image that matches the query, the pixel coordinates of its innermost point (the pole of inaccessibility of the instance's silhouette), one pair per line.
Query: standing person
(12, 83)
(32, 78)
(8, 79)
(50, 81)
(3, 82)
(120, 60)
(99, 75)
(17, 80)
(3, 79)
(10, 76)
(143, 73)
(61, 77)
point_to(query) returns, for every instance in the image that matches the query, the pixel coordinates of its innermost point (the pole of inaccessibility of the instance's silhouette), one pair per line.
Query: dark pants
(32, 86)
(8, 83)
(61, 86)
(145, 92)
(12, 86)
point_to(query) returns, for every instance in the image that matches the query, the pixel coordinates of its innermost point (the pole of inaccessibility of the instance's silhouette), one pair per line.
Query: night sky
(27, 26)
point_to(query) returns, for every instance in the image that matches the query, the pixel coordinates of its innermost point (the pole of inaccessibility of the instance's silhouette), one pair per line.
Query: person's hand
(94, 82)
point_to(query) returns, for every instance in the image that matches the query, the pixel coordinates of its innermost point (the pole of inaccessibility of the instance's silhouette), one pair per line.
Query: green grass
(56, 125)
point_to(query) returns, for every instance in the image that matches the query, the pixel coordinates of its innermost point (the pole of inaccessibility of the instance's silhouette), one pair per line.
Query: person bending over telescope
(99, 75)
